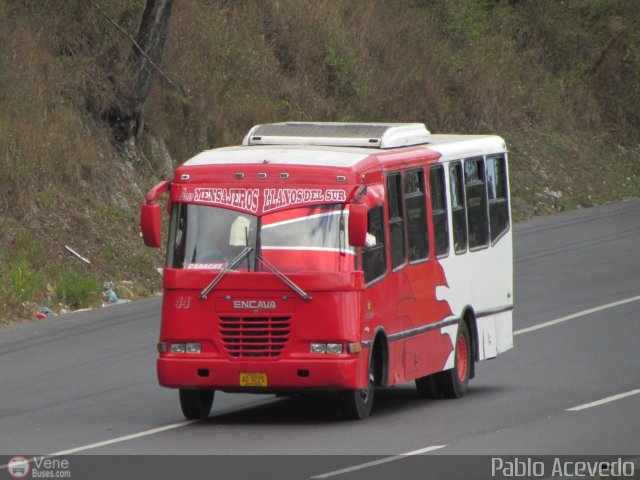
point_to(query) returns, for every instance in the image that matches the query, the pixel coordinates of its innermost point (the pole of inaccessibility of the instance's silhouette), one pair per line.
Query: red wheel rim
(462, 362)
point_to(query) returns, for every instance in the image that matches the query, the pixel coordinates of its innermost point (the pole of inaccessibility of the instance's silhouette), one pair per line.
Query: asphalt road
(85, 384)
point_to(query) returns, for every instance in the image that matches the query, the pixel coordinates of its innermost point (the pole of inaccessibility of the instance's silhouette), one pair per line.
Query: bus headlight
(318, 348)
(191, 347)
(332, 348)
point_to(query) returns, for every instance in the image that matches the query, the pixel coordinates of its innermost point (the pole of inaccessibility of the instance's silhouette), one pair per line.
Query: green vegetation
(23, 284)
(560, 81)
(77, 290)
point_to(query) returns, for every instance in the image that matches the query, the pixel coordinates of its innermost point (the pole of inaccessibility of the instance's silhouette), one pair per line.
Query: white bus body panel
(481, 279)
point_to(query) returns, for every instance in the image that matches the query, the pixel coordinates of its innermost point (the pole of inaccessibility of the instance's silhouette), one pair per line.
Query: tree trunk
(124, 116)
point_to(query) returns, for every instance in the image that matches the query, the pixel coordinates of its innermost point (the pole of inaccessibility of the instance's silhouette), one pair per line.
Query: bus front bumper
(281, 375)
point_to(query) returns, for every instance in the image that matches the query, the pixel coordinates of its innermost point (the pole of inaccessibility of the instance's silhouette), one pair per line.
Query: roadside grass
(24, 283)
(560, 81)
(46, 275)
(76, 289)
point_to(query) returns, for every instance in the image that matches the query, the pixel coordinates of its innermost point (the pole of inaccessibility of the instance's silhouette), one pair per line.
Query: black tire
(427, 387)
(453, 383)
(196, 404)
(357, 404)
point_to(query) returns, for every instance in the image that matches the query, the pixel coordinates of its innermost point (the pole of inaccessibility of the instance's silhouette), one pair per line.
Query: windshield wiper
(305, 296)
(230, 265)
(227, 267)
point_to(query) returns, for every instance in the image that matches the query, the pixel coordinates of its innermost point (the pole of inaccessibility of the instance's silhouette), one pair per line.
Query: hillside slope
(560, 81)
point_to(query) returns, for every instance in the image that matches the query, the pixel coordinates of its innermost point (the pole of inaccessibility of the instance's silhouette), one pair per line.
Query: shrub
(77, 290)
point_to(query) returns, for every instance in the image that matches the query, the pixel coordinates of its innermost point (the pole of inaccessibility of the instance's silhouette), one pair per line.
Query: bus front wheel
(358, 403)
(196, 404)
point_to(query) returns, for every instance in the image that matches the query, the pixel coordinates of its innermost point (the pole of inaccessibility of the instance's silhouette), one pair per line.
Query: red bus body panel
(336, 298)
(403, 309)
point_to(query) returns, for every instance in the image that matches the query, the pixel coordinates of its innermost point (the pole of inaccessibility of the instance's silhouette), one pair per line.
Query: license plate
(253, 379)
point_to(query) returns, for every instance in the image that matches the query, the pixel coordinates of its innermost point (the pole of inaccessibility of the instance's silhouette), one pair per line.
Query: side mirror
(150, 221)
(357, 225)
(150, 215)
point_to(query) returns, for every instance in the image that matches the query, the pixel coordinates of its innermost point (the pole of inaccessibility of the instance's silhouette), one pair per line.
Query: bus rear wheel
(454, 383)
(357, 404)
(196, 404)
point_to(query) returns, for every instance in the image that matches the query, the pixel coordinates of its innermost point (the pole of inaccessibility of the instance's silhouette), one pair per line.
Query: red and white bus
(334, 257)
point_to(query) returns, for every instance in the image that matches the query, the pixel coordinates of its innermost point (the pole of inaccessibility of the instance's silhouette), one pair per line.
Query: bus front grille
(255, 336)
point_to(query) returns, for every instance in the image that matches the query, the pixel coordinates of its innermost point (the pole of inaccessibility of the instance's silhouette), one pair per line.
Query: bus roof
(282, 155)
(352, 146)
(453, 147)
(447, 146)
(244, 176)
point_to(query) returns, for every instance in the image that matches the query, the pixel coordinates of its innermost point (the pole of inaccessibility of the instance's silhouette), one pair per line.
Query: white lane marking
(576, 315)
(124, 438)
(612, 398)
(378, 462)
(153, 431)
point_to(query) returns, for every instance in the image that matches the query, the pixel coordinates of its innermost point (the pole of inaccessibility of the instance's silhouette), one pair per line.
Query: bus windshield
(301, 239)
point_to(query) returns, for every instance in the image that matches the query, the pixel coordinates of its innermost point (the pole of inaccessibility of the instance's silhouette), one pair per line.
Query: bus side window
(498, 203)
(439, 210)
(476, 192)
(396, 220)
(374, 262)
(416, 208)
(458, 210)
